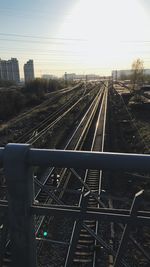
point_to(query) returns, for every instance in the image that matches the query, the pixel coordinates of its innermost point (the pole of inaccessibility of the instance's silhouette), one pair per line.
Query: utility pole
(66, 83)
(116, 76)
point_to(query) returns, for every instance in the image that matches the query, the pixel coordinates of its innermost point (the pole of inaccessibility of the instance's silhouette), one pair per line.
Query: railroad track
(41, 196)
(85, 253)
(43, 128)
(46, 126)
(119, 202)
(53, 119)
(21, 133)
(89, 243)
(52, 97)
(35, 133)
(74, 143)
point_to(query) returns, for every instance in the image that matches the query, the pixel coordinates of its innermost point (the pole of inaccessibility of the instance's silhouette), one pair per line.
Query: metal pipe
(97, 215)
(90, 160)
(19, 179)
(84, 160)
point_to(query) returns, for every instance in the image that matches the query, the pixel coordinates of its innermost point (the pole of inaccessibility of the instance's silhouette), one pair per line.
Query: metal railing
(18, 161)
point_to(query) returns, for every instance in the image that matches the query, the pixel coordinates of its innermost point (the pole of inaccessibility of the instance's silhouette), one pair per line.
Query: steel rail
(100, 174)
(89, 113)
(49, 119)
(77, 132)
(56, 95)
(78, 136)
(44, 122)
(47, 128)
(73, 145)
(38, 224)
(80, 255)
(1, 156)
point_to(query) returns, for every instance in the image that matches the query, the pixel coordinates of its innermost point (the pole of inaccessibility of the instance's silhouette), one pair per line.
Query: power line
(21, 12)
(28, 41)
(66, 39)
(136, 41)
(43, 37)
(20, 49)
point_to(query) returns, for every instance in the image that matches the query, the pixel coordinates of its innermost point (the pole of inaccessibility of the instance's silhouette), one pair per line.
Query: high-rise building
(3, 70)
(9, 70)
(29, 71)
(15, 69)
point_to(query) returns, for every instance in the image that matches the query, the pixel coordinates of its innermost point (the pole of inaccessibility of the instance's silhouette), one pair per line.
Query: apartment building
(29, 71)
(9, 70)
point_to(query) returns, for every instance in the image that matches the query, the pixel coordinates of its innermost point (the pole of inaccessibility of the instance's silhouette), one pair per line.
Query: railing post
(3, 234)
(127, 228)
(19, 178)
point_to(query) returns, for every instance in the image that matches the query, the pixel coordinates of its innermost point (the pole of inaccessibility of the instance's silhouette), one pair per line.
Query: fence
(18, 161)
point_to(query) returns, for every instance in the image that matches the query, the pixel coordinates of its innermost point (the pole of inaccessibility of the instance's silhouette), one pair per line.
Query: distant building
(69, 76)
(29, 71)
(49, 76)
(74, 76)
(146, 71)
(118, 74)
(9, 70)
(92, 77)
(80, 77)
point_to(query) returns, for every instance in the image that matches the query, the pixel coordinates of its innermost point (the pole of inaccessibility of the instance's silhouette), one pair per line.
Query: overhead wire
(41, 36)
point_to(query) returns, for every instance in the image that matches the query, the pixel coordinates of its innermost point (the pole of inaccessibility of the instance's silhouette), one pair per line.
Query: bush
(13, 100)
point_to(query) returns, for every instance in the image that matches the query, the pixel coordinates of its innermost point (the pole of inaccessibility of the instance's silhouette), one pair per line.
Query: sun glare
(109, 29)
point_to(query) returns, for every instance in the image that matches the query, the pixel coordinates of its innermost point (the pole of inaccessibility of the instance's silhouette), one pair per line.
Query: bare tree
(137, 72)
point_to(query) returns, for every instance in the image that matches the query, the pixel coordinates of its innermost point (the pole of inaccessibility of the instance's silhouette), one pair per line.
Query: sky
(75, 36)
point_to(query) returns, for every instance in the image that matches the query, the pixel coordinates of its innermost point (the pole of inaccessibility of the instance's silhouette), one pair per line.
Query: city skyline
(7, 67)
(81, 36)
(28, 70)
(10, 70)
